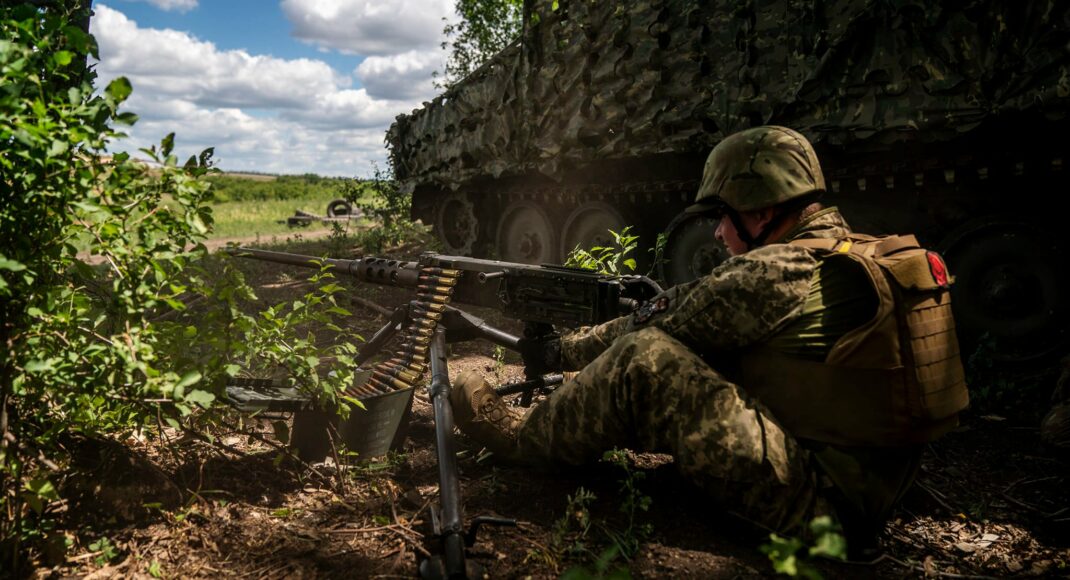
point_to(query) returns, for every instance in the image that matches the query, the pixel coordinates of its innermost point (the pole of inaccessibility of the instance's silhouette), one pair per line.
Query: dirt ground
(990, 502)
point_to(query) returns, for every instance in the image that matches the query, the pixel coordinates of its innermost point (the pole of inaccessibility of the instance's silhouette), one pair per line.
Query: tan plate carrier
(897, 380)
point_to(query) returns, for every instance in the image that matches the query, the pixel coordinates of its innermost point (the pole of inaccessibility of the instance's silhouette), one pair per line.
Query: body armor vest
(896, 380)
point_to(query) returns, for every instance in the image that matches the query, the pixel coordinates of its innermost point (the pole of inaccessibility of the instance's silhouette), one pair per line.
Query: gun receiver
(547, 294)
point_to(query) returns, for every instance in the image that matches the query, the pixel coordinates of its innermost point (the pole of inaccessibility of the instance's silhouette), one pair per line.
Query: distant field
(249, 218)
(252, 176)
(251, 204)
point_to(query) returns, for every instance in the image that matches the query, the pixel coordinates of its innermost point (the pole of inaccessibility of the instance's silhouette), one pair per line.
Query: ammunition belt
(409, 363)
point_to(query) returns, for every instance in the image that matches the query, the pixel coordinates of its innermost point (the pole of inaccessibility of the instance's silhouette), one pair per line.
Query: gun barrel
(368, 269)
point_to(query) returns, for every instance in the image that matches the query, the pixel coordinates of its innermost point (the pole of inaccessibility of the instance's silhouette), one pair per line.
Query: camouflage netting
(598, 80)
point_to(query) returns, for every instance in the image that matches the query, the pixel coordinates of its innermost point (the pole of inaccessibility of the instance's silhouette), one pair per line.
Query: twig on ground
(338, 467)
(413, 541)
(371, 306)
(1027, 481)
(1033, 508)
(936, 496)
(84, 556)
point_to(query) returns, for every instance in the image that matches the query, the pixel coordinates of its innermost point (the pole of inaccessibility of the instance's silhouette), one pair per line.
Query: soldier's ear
(763, 217)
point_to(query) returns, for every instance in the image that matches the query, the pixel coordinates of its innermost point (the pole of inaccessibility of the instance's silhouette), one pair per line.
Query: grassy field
(252, 205)
(260, 218)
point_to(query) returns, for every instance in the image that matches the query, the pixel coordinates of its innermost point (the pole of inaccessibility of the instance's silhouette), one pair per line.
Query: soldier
(800, 377)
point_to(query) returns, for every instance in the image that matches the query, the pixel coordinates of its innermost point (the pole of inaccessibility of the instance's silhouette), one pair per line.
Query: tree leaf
(202, 398)
(126, 118)
(37, 366)
(119, 89)
(188, 379)
(42, 488)
(167, 144)
(12, 265)
(63, 57)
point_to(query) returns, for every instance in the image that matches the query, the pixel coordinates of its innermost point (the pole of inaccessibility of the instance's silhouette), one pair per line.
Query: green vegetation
(384, 203)
(151, 334)
(572, 536)
(485, 28)
(76, 350)
(245, 205)
(241, 219)
(609, 260)
(248, 187)
(999, 389)
(792, 556)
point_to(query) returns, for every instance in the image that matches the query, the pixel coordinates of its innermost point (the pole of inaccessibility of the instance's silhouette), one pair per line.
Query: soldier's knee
(648, 338)
(652, 349)
(654, 342)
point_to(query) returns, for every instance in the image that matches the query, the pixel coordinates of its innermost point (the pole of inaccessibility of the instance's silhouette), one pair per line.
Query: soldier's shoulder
(776, 255)
(772, 262)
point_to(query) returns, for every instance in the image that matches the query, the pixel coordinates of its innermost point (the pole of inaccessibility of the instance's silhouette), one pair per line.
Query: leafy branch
(609, 260)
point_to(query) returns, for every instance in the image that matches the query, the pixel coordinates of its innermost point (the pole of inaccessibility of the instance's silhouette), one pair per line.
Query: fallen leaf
(966, 547)
(929, 566)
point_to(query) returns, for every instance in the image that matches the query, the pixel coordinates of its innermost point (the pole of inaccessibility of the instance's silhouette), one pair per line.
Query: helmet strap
(741, 229)
(787, 210)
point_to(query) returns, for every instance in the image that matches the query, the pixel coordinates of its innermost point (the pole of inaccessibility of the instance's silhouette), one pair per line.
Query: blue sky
(258, 26)
(277, 86)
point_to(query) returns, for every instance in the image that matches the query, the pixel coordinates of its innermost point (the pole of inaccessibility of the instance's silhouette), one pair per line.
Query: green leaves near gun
(610, 260)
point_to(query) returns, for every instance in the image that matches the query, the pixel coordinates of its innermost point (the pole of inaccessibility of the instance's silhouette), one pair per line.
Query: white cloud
(170, 62)
(259, 112)
(369, 27)
(168, 5)
(401, 76)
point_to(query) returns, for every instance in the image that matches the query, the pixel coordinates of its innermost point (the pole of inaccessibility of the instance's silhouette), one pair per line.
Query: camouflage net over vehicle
(603, 80)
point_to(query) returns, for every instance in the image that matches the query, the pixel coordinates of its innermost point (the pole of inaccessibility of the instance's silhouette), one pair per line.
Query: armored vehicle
(943, 118)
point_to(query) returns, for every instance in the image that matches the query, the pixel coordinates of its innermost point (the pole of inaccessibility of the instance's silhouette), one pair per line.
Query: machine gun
(543, 297)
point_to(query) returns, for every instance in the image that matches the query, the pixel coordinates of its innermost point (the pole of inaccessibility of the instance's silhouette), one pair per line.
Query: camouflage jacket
(742, 302)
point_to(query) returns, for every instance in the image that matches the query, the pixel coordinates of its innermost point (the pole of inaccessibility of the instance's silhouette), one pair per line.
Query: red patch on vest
(937, 269)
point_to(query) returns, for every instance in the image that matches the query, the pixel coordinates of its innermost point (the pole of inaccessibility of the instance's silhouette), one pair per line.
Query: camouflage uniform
(668, 378)
(660, 381)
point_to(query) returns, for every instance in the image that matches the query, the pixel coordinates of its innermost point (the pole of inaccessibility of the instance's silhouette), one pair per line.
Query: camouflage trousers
(649, 392)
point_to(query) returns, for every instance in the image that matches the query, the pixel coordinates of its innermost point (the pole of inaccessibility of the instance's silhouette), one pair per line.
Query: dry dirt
(991, 502)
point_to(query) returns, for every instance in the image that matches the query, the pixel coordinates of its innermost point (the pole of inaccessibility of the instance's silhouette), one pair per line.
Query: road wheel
(589, 225)
(1010, 288)
(456, 224)
(526, 235)
(691, 251)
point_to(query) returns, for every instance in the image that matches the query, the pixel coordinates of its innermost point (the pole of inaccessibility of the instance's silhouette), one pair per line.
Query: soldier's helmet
(759, 167)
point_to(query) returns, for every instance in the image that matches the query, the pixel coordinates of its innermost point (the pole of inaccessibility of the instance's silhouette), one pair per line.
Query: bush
(387, 205)
(96, 350)
(75, 347)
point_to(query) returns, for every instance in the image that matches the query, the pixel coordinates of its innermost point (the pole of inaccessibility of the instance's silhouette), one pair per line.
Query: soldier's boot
(480, 413)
